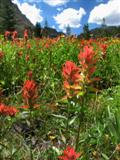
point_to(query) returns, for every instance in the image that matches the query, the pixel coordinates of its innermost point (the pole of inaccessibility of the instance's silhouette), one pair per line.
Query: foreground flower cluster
(76, 78)
(29, 92)
(8, 110)
(52, 125)
(69, 154)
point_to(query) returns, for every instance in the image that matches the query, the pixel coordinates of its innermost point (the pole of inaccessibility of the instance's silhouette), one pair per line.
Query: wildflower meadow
(59, 98)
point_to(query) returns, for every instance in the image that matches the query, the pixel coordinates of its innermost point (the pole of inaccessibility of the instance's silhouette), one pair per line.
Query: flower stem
(31, 154)
(67, 123)
(81, 118)
(78, 133)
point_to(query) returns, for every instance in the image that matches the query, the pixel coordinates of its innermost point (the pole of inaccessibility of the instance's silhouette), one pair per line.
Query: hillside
(108, 31)
(50, 32)
(21, 21)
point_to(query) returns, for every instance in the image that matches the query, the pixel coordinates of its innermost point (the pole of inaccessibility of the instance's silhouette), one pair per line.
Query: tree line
(8, 23)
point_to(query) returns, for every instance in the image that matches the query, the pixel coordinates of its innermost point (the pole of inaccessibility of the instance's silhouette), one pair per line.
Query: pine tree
(1, 27)
(8, 17)
(104, 28)
(68, 30)
(46, 24)
(86, 31)
(104, 23)
(37, 30)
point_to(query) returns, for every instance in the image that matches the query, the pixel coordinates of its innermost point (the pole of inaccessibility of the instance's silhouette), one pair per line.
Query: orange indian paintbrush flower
(69, 154)
(29, 92)
(87, 56)
(7, 34)
(8, 110)
(71, 72)
(88, 61)
(14, 35)
(72, 78)
(26, 34)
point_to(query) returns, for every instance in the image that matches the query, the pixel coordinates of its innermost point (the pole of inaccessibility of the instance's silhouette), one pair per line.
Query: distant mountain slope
(21, 21)
(108, 31)
(50, 32)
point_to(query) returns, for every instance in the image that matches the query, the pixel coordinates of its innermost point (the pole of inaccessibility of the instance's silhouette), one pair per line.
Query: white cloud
(52, 3)
(69, 16)
(53, 27)
(110, 11)
(55, 3)
(33, 1)
(59, 9)
(30, 11)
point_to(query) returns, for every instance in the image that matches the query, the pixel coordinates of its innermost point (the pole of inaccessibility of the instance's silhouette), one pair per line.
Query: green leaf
(2, 82)
(59, 116)
(63, 137)
(72, 120)
(63, 101)
(105, 156)
(56, 150)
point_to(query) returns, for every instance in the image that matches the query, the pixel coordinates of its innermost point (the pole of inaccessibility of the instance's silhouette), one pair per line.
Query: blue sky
(75, 13)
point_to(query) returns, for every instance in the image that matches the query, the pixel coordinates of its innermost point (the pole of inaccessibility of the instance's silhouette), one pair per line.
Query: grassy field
(59, 99)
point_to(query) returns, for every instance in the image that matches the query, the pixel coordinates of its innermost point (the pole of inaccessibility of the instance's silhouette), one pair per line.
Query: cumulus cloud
(69, 16)
(53, 27)
(55, 3)
(59, 9)
(30, 11)
(33, 1)
(109, 11)
(52, 3)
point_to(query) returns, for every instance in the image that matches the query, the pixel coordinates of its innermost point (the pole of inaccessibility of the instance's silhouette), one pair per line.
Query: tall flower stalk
(69, 154)
(29, 93)
(78, 79)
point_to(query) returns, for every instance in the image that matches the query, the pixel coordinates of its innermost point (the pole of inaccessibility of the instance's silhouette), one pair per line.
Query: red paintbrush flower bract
(29, 91)
(8, 110)
(69, 154)
(70, 72)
